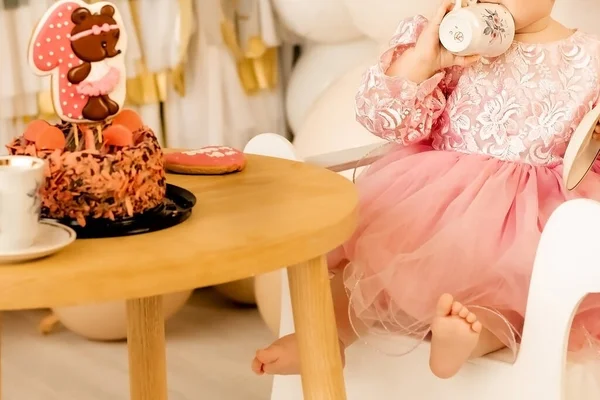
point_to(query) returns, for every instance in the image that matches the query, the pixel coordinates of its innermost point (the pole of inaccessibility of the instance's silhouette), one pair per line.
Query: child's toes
(471, 318)
(268, 355)
(257, 367)
(266, 359)
(444, 305)
(476, 327)
(456, 308)
(278, 367)
(464, 312)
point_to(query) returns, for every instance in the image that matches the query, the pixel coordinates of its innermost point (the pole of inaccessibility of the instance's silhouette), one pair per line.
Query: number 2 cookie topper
(81, 46)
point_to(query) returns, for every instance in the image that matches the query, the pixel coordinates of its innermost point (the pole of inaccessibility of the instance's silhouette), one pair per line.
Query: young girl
(451, 217)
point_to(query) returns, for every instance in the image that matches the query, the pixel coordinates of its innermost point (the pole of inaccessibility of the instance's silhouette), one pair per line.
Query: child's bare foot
(455, 332)
(281, 357)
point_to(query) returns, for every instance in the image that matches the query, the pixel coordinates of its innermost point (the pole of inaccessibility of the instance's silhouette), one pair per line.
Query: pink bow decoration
(94, 30)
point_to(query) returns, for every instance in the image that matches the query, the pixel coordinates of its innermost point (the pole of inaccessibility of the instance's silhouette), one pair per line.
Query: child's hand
(428, 56)
(430, 50)
(596, 134)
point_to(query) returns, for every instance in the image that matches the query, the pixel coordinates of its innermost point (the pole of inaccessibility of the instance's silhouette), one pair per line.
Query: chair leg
(314, 319)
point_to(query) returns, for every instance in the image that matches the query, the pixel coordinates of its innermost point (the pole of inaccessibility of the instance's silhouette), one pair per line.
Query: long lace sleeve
(395, 108)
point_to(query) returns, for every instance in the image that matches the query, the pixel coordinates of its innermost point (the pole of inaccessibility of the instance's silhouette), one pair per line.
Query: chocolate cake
(93, 178)
(102, 162)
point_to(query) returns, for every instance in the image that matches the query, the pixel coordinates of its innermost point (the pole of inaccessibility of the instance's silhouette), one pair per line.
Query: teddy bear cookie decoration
(81, 46)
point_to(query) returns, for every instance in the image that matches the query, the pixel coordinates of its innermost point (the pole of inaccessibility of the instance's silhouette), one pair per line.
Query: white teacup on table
(21, 179)
(484, 29)
(22, 234)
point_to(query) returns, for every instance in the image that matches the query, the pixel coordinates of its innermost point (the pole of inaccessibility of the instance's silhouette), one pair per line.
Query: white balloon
(581, 14)
(331, 123)
(325, 21)
(378, 19)
(319, 66)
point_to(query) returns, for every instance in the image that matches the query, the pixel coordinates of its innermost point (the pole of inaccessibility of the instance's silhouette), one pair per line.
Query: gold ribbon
(256, 63)
(45, 105)
(244, 65)
(142, 89)
(150, 87)
(186, 25)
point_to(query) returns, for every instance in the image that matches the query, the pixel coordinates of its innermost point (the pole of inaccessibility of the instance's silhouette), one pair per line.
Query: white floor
(210, 345)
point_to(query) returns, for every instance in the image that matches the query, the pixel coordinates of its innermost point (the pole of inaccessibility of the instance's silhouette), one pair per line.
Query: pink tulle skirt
(435, 222)
(103, 86)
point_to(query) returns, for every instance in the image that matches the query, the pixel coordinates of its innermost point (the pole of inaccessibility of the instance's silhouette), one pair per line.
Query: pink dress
(458, 204)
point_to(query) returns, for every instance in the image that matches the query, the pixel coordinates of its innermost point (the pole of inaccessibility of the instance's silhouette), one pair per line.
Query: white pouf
(378, 19)
(108, 321)
(331, 122)
(319, 66)
(324, 21)
(241, 291)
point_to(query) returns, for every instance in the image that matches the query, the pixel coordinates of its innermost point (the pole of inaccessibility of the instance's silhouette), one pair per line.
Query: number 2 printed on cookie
(81, 46)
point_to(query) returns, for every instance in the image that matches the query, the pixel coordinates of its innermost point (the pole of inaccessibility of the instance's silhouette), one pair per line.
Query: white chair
(566, 269)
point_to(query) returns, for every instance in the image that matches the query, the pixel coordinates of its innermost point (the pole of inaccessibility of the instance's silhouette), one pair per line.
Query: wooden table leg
(146, 345)
(320, 360)
(0, 356)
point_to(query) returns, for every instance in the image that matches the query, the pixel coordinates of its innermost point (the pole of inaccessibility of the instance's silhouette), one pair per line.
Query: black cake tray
(175, 209)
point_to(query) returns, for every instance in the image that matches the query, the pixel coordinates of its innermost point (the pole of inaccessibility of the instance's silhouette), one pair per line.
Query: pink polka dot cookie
(210, 160)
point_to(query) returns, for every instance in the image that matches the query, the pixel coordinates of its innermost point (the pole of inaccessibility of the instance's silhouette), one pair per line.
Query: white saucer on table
(582, 151)
(52, 237)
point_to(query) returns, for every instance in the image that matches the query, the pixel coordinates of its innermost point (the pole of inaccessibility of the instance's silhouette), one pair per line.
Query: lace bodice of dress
(522, 106)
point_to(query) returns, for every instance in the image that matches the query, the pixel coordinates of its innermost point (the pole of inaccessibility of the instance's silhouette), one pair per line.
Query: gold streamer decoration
(186, 31)
(45, 105)
(143, 88)
(257, 64)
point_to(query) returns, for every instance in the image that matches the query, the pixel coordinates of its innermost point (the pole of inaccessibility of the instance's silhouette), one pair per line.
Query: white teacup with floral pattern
(483, 29)
(21, 179)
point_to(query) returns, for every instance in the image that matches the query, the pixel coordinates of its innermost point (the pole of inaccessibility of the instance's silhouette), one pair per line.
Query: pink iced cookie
(211, 160)
(81, 46)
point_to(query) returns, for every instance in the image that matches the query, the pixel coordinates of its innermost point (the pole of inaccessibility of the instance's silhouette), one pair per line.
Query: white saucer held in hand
(583, 150)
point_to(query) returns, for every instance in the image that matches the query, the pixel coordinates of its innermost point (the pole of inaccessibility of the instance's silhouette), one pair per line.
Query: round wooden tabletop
(273, 214)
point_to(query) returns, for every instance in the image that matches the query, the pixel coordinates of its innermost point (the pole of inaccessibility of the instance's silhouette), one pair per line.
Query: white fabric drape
(159, 35)
(215, 108)
(136, 44)
(18, 86)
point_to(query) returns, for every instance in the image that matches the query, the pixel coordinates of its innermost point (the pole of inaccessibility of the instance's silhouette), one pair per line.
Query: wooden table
(276, 213)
